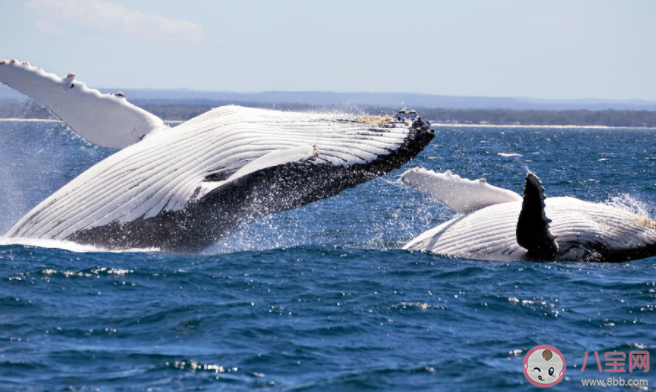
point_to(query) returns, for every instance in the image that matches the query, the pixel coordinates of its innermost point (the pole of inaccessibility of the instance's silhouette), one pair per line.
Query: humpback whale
(181, 189)
(498, 224)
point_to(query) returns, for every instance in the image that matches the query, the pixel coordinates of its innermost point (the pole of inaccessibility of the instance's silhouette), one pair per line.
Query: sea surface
(322, 298)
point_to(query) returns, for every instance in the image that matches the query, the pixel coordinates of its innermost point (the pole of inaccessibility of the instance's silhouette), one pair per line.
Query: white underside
(166, 170)
(490, 233)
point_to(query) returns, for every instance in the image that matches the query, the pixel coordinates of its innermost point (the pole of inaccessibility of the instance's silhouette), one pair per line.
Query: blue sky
(540, 49)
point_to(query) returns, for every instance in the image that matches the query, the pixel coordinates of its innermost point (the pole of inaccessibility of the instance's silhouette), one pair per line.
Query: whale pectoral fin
(533, 225)
(279, 181)
(459, 194)
(107, 120)
(275, 158)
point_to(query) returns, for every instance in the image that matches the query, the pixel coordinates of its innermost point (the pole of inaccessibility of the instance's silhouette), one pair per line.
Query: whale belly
(486, 234)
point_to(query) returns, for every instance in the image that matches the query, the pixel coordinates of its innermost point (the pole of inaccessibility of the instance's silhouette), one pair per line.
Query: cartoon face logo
(544, 366)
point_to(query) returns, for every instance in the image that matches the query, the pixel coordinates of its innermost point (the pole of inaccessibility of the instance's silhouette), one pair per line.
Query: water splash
(629, 203)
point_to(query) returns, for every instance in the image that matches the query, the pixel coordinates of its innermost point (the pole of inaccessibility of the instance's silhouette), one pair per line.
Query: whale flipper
(459, 194)
(533, 225)
(107, 120)
(275, 158)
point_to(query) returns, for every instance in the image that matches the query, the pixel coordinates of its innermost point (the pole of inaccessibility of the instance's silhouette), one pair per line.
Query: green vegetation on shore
(609, 118)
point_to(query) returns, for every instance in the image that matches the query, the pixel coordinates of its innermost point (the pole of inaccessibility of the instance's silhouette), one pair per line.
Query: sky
(545, 49)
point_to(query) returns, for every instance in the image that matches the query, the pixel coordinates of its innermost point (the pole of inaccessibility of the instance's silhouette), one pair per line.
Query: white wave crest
(66, 245)
(505, 154)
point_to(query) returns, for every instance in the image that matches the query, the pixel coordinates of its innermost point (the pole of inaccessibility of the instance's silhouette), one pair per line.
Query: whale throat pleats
(533, 225)
(184, 188)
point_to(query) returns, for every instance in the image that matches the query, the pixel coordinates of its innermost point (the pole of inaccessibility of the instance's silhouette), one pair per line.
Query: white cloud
(108, 17)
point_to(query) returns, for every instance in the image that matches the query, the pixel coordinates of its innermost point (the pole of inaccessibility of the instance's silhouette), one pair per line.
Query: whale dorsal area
(460, 194)
(533, 225)
(107, 120)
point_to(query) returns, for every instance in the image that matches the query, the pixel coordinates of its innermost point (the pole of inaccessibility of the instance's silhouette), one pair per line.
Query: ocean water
(322, 298)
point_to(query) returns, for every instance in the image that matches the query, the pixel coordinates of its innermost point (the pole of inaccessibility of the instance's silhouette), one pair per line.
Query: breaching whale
(498, 224)
(181, 189)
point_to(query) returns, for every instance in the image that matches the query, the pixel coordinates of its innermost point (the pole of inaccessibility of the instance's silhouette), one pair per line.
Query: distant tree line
(185, 110)
(610, 118)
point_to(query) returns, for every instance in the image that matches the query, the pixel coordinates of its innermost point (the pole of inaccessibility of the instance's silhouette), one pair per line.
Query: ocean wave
(67, 245)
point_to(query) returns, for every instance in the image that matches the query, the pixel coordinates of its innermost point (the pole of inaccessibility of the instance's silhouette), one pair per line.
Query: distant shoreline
(531, 126)
(436, 125)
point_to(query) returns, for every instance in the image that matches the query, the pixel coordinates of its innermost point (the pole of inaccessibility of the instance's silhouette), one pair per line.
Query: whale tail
(107, 120)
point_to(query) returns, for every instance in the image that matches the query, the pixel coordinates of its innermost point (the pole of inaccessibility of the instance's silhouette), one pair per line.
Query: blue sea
(322, 298)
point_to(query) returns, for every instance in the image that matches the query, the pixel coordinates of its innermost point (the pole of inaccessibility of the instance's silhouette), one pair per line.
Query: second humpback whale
(498, 224)
(181, 189)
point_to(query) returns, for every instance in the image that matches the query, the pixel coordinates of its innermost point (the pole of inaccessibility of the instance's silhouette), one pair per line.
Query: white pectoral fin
(459, 194)
(106, 120)
(272, 159)
(276, 158)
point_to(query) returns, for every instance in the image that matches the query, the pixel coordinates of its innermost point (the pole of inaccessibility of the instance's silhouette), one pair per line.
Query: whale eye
(538, 369)
(551, 371)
